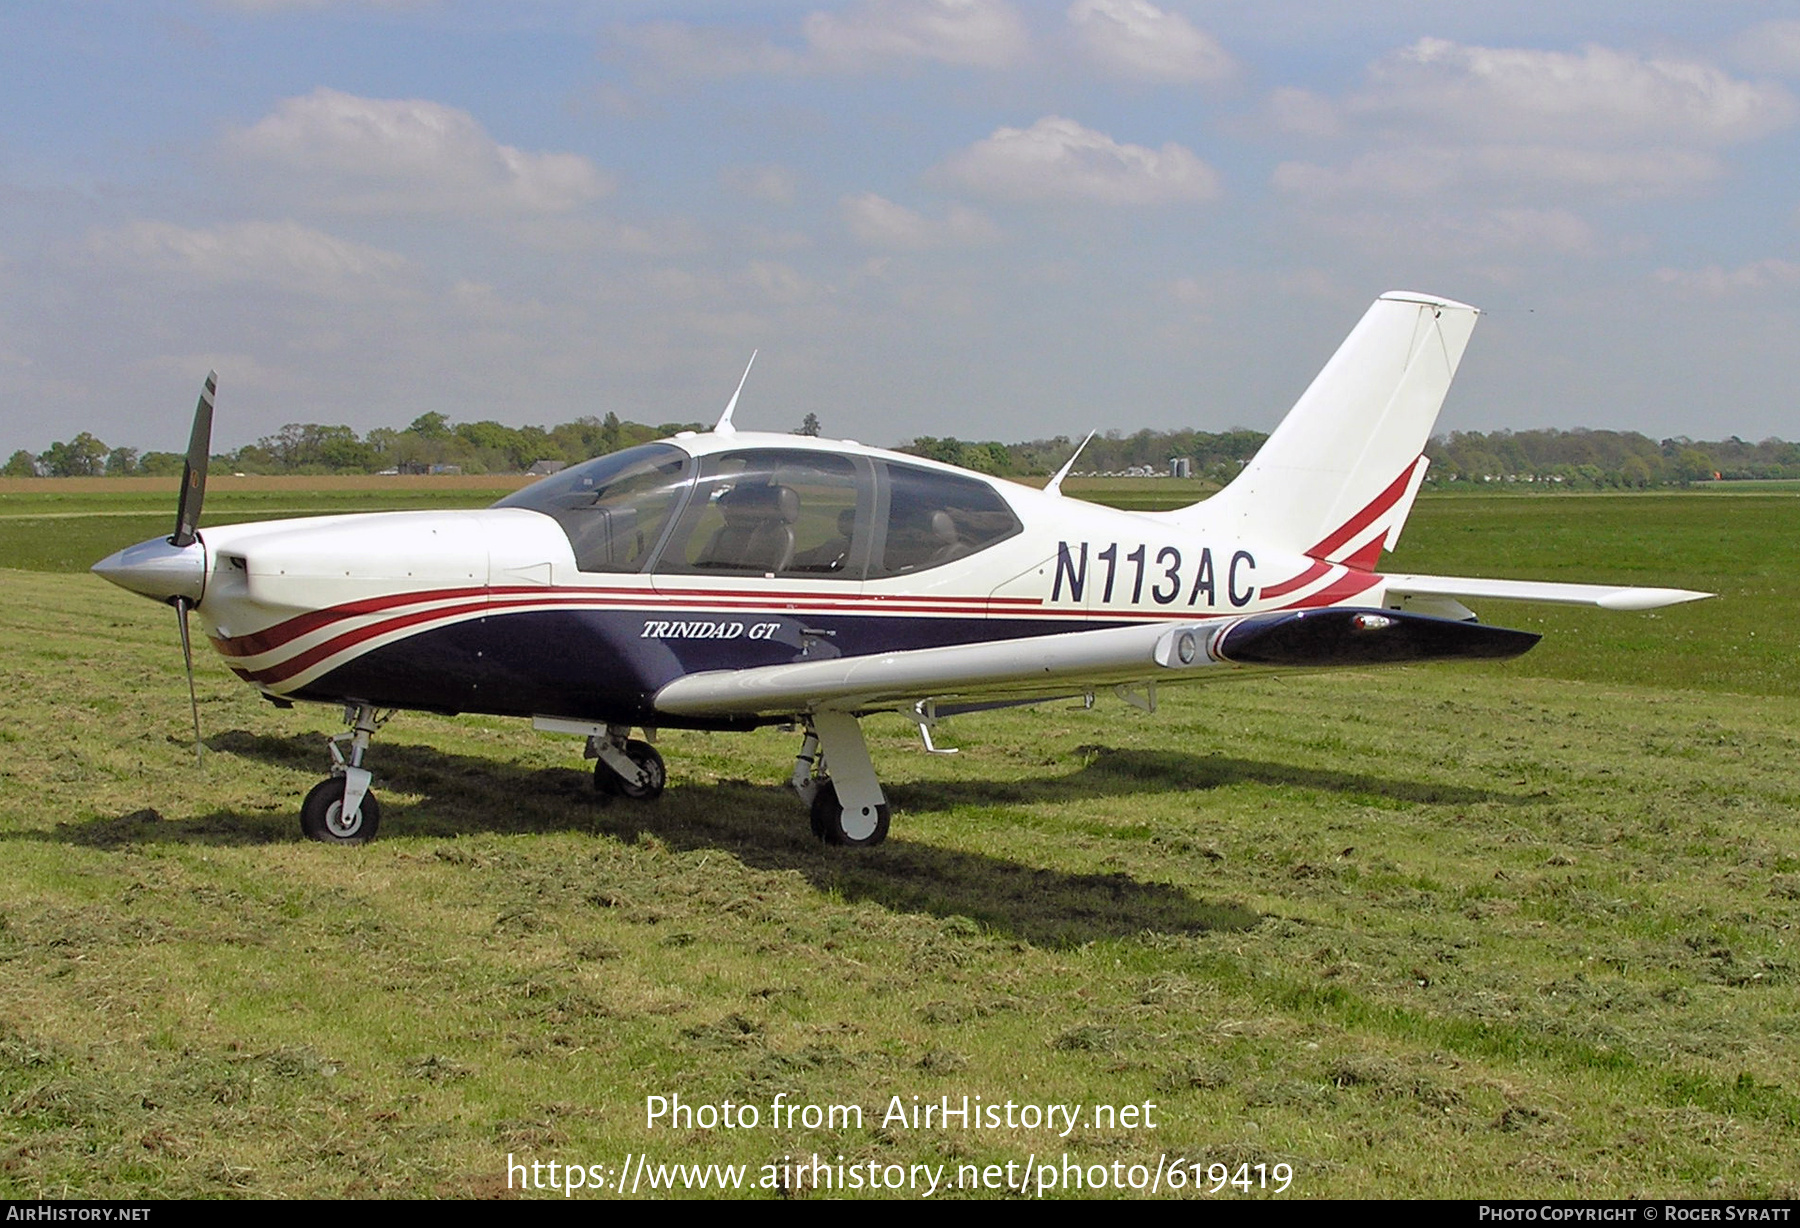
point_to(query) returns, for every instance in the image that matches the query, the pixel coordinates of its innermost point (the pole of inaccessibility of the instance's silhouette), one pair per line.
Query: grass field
(1524, 930)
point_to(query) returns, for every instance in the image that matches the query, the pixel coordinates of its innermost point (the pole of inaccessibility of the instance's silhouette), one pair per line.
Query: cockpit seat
(946, 542)
(758, 534)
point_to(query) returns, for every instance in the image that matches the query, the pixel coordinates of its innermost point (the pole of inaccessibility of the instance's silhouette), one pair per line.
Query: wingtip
(1650, 598)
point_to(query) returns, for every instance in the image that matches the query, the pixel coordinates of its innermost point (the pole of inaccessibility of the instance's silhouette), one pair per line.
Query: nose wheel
(322, 815)
(340, 809)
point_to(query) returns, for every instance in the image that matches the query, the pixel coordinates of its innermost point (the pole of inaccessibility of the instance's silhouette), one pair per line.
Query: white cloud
(677, 49)
(1137, 40)
(970, 33)
(280, 255)
(576, 234)
(1530, 230)
(1058, 159)
(398, 156)
(1715, 281)
(1464, 234)
(1421, 170)
(774, 282)
(1483, 127)
(732, 291)
(1599, 95)
(867, 36)
(879, 222)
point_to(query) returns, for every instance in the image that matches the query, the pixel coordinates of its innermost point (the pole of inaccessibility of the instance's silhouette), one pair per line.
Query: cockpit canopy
(767, 511)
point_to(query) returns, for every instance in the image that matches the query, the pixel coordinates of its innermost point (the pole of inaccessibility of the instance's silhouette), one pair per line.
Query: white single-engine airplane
(729, 580)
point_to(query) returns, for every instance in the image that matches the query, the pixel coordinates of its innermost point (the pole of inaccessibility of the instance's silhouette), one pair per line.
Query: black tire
(828, 820)
(819, 814)
(321, 815)
(644, 755)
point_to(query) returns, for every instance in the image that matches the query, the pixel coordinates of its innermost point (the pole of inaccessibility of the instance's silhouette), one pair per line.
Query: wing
(1070, 662)
(1606, 596)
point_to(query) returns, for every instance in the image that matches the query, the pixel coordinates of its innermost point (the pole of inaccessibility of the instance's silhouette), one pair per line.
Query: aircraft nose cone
(158, 570)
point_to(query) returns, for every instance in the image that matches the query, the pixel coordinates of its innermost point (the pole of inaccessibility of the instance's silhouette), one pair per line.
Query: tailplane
(1337, 478)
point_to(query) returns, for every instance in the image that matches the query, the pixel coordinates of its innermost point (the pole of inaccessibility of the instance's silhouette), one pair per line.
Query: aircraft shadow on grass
(1109, 772)
(762, 826)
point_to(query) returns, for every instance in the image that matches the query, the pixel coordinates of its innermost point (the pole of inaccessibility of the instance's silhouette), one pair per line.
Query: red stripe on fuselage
(256, 643)
(1298, 582)
(1344, 587)
(271, 638)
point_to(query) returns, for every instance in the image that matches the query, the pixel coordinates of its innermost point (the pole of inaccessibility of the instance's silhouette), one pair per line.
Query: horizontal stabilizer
(1317, 639)
(1606, 596)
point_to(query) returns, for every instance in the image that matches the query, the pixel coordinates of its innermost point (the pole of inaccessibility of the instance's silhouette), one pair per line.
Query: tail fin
(1337, 478)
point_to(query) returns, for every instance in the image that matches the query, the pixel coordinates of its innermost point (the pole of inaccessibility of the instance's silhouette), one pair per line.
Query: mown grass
(1522, 930)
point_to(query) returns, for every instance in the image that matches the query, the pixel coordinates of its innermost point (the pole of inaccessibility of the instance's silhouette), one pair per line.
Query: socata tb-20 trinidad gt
(728, 580)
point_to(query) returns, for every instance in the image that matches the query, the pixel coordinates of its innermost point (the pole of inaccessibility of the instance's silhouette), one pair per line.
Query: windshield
(613, 508)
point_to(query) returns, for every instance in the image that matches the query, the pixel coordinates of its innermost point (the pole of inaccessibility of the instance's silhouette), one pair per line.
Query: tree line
(1561, 459)
(431, 443)
(1565, 459)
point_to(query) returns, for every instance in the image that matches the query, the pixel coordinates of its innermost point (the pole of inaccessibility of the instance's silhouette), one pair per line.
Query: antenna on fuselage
(1054, 485)
(724, 427)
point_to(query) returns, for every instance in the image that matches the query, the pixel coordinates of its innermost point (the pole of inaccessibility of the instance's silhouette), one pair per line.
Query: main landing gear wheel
(652, 776)
(322, 815)
(833, 826)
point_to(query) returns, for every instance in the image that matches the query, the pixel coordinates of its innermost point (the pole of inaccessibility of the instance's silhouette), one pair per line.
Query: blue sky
(968, 217)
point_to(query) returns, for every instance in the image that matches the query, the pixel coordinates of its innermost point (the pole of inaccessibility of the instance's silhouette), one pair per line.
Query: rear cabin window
(935, 518)
(613, 508)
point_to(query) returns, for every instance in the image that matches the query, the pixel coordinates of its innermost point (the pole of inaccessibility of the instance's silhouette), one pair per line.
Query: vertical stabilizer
(1337, 478)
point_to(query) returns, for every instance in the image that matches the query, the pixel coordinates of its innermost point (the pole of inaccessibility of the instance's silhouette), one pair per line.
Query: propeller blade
(193, 473)
(182, 604)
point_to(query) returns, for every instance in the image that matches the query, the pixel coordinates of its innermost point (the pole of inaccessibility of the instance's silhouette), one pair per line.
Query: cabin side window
(775, 512)
(613, 508)
(935, 518)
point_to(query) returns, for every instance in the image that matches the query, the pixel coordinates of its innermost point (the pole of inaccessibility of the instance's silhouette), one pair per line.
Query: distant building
(1181, 467)
(544, 469)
